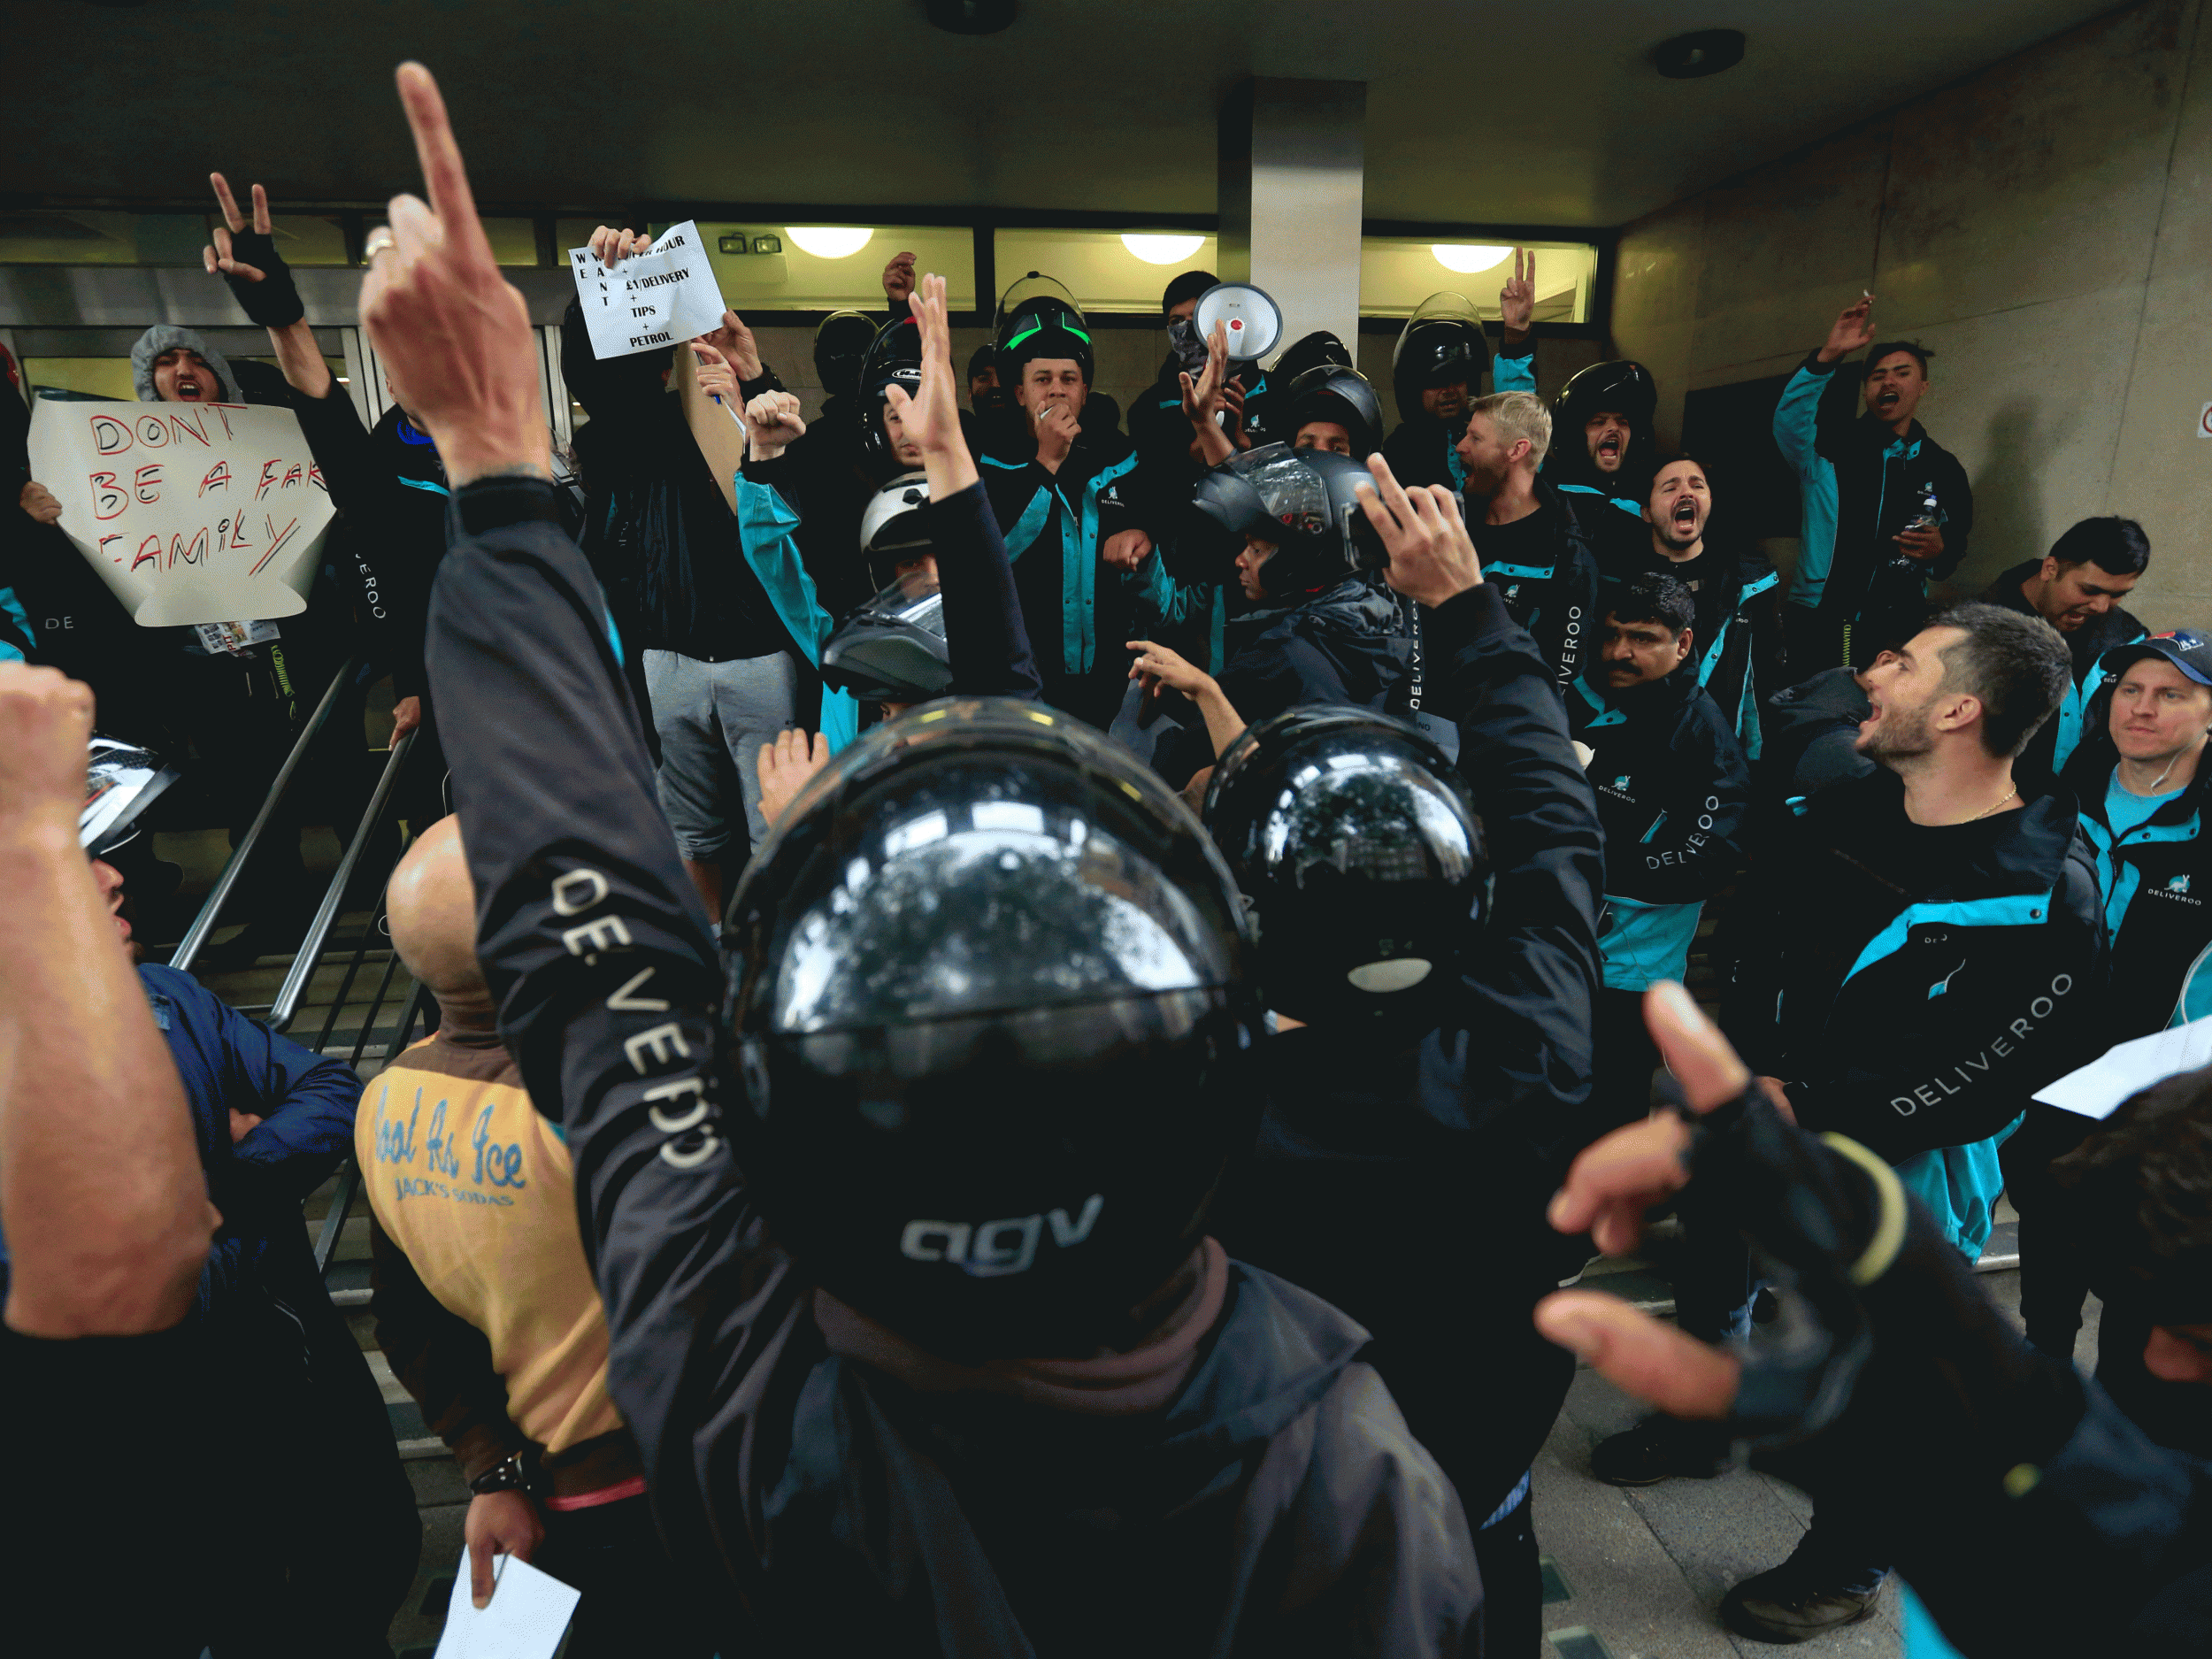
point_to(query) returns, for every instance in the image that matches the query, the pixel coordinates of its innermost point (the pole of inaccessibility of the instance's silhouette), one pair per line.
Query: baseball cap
(2189, 650)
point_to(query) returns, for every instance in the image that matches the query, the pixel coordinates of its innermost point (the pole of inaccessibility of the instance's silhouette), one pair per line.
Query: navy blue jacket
(305, 1103)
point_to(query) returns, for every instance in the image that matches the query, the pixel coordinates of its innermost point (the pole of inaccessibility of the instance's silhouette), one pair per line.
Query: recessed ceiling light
(1161, 250)
(1700, 52)
(1467, 257)
(973, 17)
(830, 242)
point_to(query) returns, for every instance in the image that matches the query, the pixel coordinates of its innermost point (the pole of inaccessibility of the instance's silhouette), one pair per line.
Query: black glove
(273, 302)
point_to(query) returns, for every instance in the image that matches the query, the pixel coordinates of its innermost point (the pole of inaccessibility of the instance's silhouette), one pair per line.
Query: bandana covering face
(1184, 341)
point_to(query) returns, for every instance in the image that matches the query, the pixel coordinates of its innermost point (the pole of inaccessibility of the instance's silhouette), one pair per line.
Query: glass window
(1100, 267)
(1397, 273)
(773, 267)
(95, 377)
(515, 241)
(305, 239)
(89, 236)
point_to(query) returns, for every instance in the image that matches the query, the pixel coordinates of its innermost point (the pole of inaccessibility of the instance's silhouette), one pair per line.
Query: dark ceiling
(1538, 114)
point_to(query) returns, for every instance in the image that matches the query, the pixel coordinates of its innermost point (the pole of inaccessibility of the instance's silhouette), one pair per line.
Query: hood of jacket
(168, 337)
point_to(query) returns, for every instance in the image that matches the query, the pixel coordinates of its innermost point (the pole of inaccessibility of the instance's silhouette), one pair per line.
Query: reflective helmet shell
(1442, 342)
(121, 781)
(992, 1011)
(1357, 842)
(1301, 501)
(841, 345)
(893, 358)
(1342, 395)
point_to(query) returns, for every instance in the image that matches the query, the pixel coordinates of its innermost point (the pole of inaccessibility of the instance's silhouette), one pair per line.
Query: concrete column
(1293, 160)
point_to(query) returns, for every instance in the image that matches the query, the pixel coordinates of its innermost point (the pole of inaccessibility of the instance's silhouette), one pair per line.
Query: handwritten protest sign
(191, 512)
(650, 300)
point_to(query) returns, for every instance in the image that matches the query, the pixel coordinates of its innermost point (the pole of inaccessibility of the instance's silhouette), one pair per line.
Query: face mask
(1188, 345)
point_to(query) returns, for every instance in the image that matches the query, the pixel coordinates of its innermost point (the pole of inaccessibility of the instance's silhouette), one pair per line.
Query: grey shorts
(712, 717)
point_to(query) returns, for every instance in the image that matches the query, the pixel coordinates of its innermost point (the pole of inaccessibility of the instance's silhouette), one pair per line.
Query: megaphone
(1252, 322)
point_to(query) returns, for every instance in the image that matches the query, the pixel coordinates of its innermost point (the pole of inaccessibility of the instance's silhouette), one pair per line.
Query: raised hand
(716, 378)
(1233, 404)
(608, 245)
(734, 341)
(453, 332)
(931, 418)
(786, 765)
(1516, 300)
(245, 256)
(1853, 330)
(772, 425)
(45, 723)
(1205, 397)
(1431, 557)
(898, 278)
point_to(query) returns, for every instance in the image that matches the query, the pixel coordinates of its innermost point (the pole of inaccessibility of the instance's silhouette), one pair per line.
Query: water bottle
(1930, 517)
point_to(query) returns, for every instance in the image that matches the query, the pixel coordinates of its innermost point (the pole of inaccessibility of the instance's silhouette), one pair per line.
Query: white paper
(527, 1613)
(650, 301)
(2098, 1090)
(191, 512)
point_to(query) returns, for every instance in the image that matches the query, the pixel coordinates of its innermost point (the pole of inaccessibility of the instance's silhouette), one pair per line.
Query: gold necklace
(1979, 817)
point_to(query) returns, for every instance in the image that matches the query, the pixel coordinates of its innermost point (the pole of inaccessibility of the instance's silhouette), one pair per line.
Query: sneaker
(1791, 1604)
(1652, 1450)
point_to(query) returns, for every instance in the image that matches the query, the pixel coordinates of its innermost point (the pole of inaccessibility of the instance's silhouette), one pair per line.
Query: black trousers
(2054, 1275)
(634, 1600)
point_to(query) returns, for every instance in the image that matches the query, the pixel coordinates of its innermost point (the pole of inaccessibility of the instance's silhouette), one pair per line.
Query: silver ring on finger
(379, 240)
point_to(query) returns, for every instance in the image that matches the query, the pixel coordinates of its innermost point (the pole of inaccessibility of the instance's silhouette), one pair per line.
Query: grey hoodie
(168, 337)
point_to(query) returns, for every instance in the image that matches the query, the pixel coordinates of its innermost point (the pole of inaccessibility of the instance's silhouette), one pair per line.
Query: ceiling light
(1467, 257)
(830, 242)
(1700, 52)
(1161, 250)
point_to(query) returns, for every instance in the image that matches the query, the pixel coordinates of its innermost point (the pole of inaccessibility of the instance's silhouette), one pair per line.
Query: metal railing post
(286, 1006)
(210, 919)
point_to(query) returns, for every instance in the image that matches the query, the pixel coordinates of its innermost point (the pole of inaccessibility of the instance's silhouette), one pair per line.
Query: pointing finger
(1653, 1362)
(443, 174)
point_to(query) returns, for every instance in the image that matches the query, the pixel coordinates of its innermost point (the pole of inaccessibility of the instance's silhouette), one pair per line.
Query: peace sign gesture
(247, 259)
(454, 335)
(1516, 300)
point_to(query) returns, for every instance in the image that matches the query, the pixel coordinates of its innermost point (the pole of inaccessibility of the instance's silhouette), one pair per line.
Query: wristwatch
(508, 1474)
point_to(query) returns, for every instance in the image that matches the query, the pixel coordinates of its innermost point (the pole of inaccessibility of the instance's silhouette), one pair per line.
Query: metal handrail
(210, 919)
(341, 1201)
(286, 1006)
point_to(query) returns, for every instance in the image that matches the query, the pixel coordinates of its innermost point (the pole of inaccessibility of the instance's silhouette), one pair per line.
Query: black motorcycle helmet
(1626, 387)
(841, 345)
(1442, 342)
(992, 1008)
(1038, 317)
(1299, 500)
(121, 781)
(893, 358)
(1302, 357)
(892, 650)
(1331, 392)
(1356, 842)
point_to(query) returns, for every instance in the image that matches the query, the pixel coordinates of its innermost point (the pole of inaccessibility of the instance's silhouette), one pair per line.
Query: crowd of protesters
(1030, 1018)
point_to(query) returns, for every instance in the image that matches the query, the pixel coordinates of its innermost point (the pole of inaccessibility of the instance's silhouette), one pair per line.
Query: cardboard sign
(650, 300)
(717, 429)
(191, 512)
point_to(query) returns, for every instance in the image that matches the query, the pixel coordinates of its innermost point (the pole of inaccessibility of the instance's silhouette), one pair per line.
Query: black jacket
(1672, 791)
(1276, 1505)
(1555, 597)
(1738, 637)
(1343, 644)
(389, 488)
(1410, 1186)
(1914, 987)
(1420, 451)
(2056, 739)
(820, 475)
(1862, 484)
(1811, 735)
(658, 530)
(1081, 613)
(2158, 916)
